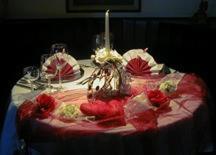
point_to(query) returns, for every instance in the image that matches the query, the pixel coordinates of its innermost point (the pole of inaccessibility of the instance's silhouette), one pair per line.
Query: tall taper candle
(107, 38)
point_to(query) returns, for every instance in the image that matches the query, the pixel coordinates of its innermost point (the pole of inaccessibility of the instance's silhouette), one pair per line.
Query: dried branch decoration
(108, 80)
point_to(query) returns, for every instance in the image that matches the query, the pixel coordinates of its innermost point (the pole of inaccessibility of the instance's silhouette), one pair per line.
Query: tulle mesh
(116, 113)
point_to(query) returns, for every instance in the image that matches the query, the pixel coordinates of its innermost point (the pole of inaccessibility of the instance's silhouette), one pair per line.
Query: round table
(178, 132)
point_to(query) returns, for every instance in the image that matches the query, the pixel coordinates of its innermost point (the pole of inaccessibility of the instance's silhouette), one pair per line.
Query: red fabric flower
(30, 110)
(45, 105)
(24, 118)
(25, 111)
(157, 98)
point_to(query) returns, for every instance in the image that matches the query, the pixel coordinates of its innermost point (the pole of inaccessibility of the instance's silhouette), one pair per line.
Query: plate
(65, 79)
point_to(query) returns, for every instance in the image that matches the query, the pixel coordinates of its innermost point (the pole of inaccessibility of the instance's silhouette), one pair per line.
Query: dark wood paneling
(128, 35)
(140, 34)
(169, 40)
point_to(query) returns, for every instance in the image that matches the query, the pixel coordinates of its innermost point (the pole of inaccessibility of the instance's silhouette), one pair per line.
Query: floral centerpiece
(109, 79)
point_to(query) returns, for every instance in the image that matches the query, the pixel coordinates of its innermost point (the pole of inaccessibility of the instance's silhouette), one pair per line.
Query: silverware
(36, 85)
(87, 66)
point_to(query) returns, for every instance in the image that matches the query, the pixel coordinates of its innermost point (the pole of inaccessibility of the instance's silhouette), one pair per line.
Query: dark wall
(175, 42)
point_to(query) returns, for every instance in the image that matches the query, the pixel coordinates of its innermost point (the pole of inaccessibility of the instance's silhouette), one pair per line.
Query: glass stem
(31, 84)
(49, 84)
(60, 81)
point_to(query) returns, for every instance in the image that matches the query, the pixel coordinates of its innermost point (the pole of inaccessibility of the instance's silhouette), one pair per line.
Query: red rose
(157, 98)
(45, 105)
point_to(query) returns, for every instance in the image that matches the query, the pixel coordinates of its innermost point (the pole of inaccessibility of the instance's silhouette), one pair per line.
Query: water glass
(31, 73)
(98, 41)
(44, 73)
(58, 50)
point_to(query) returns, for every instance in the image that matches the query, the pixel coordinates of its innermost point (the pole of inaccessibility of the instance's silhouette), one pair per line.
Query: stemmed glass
(98, 41)
(45, 74)
(58, 50)
(31, 73)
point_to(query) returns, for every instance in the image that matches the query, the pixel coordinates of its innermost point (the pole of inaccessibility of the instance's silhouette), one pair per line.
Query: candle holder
(109, 79)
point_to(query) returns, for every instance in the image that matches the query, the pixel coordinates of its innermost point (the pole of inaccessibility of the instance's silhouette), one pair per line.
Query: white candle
(107, 39)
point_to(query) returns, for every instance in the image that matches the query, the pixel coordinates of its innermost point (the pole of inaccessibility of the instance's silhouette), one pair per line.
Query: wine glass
(31, 73)
(58, 50)
(98, 41)
(44, 73)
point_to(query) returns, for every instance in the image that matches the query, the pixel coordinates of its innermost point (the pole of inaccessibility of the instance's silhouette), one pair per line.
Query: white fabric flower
(102, 56)
(167, 86)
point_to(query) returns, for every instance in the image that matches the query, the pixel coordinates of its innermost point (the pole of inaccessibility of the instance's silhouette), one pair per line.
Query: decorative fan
(139, 62)
(70, 66)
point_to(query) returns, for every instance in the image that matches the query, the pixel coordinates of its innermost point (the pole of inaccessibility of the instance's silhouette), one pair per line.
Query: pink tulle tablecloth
(182, 127)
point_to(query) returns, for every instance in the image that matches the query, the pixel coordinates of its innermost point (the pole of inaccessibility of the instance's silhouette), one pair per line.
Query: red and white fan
(70, 67)
(139, 62)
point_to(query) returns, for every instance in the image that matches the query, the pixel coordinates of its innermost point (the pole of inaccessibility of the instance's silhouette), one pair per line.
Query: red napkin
(138, 67)
(67, 69)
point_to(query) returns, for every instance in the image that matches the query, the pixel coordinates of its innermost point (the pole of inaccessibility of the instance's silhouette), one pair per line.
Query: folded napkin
(70, 66)
(139, 62)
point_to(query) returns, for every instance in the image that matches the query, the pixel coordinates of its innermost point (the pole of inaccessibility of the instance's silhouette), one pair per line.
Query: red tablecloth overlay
(168, 123)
